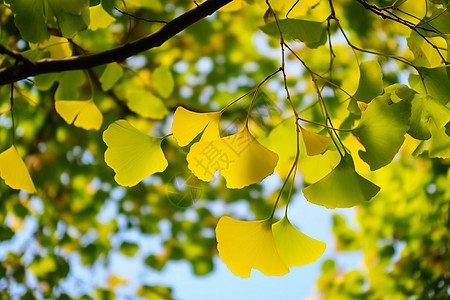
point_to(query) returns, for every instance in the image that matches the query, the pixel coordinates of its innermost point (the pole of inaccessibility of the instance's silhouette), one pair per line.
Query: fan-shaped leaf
(132, 154)
(238, 157)
(370, 81)
(343, 187)
(14, 172)
(85, 113)
(315, 143)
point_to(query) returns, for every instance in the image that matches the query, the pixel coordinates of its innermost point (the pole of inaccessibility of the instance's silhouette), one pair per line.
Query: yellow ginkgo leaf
(99, 18)
(85, 113)
(244, 245)
(14, 172)
(240, 158)
(132, 154)
(188, 124)
(294, 247)
(315, 143)
(57, 46)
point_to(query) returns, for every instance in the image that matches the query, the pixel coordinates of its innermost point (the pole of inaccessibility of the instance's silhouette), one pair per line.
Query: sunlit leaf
(370, 81)
(163, 81)
(187, 125)
(304, 31)
(132, 154)
(315, 143)
(425, 110)
(294, 247)
(57, 46)
(439, 142)
(14, 172)
(85, 113)
(73, 16)
(112, 73)
(247, 245)
(382, 130)
(436, 80)
(99, 18)
(146, 104)
(343, 187)
(313, 168)
(240, 158)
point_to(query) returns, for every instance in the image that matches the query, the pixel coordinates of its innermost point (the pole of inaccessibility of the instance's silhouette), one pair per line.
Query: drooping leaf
(424, 109)
(187, 125)
(112, 73)
(343, 187)
(370, 81)
(425, 55)
(315, 143)
(99, 18)
(313, 168)
(240, 158)
(132, 154)
(85, 113)
(163, 81)
(14, 172)
(382, 130)
(30, 20)
(247, 245)
(69, 85)
(294, 247)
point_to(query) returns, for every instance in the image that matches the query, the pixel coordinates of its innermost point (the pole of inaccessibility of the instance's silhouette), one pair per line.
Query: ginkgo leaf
(14, 172)
(343, 187)
(382, 130)
(112, 73)
(146, 104)
(132, 154)
(294, 247)
(57, 46)
(315, 143)
(439, 142)
(85, 113)
(240, 158)
(163, 81)
(244, 245)
(424, 109)
(188, 124)
(370, 81)
(99, 18)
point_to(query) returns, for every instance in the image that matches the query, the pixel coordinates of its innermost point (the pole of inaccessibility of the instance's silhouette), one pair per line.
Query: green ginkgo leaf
(439, 142)
(425, 109)
(112, 73)
(301, 30)
(163, 81)
(343, 187)
(382, 130)
(132, 154)
(30, 20)
(370, 81)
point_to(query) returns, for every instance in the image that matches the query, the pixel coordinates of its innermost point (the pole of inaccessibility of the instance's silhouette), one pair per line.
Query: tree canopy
(127, 120)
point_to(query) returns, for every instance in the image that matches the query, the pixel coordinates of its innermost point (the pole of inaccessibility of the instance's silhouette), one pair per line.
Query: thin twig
(139, 18)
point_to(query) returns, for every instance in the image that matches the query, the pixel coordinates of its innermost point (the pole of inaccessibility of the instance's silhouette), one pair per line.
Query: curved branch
(42, 66)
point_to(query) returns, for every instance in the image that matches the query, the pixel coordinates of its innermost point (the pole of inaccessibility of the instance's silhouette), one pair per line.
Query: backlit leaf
(85, 113)
(343, 187)
(73, 16)
(14, 172)
(370, 81)
(132, 154)
(423, 111)
(163, 81)
(294, 247)
(57, 46)
(188, 124)
(315, 143)
(99, 18)
(247, 245)
(146, 104)
(240, 158)
(112, 73)
(304, 31)
(382, 130)
(439, 142)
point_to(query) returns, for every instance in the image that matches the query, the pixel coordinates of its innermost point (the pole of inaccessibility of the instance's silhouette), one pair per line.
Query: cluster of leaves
(340, 116)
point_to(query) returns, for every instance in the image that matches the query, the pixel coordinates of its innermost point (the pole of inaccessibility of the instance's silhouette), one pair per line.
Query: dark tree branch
(24, 70)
